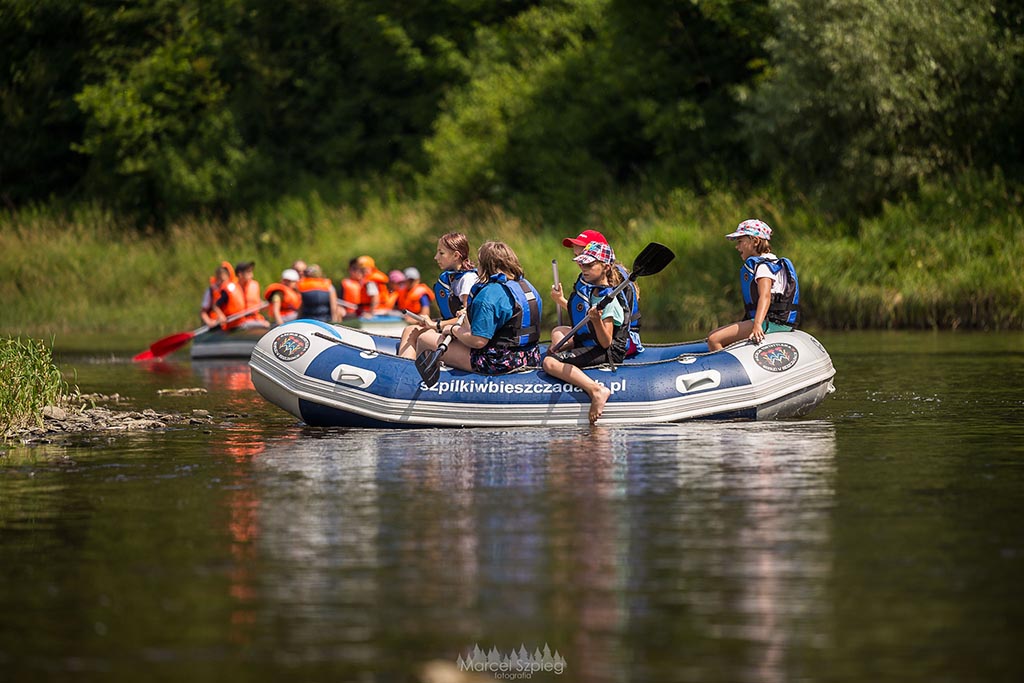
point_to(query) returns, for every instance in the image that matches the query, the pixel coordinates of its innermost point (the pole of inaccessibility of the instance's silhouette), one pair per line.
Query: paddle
(171, 343)
(426, 322)
(428, 363)
(651, 260)
(558, 283)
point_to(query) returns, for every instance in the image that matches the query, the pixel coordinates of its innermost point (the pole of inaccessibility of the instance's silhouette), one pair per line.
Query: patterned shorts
(497, 361)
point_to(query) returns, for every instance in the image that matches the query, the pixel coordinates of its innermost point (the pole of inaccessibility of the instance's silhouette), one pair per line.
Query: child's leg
(457, 355)
(427, 340)
(728, 334)
(558, 333)
(597, 392)
(407, 344)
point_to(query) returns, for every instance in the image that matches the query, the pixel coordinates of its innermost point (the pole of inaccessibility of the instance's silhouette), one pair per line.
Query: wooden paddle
(428, 363)
(651, 260)
(171, 343)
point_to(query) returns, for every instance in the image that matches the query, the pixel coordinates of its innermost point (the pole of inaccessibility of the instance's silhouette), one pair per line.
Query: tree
(867, 97)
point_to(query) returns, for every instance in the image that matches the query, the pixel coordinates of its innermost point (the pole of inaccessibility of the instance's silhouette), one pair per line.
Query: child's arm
(603, 327)
(764, 299)
(558, 297)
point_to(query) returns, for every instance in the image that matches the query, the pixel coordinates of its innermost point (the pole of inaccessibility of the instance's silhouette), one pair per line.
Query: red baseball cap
(584, 238)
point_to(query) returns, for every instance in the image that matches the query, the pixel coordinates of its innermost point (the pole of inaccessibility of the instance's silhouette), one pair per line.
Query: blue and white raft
(329, 375)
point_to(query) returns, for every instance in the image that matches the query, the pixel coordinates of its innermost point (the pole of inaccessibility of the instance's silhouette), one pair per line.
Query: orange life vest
(252, 300)
(385, 298)
(235, 302)
(291, 300)
(412, 299)
(351, 291)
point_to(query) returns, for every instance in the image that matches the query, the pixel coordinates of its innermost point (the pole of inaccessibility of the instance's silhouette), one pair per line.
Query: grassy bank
(947, 259)
(31, 382)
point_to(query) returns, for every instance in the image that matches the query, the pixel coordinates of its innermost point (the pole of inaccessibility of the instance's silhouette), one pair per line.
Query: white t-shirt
(464, 284)
(778, 279)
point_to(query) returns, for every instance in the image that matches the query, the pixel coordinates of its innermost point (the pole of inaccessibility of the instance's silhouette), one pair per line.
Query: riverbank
(80, 414)
(946, 259)
(37, 404)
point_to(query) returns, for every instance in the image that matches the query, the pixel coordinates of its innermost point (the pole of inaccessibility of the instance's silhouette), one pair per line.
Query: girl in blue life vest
(608, 329)
(451, 291)
(771, 291)
(579, 298)
(502, 324)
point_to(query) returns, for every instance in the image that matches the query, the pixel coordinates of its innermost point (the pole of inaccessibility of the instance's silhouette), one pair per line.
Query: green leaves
(166, 107)
(868, 97)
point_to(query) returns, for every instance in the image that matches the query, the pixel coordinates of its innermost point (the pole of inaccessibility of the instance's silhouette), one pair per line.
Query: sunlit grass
(29, 381)
(946, 259)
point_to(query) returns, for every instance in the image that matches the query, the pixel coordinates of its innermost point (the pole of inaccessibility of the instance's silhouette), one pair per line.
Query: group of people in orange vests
(234, 298)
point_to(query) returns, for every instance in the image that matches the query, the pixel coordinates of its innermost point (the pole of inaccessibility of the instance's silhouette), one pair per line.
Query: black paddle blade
(651, 260)
(428, 364)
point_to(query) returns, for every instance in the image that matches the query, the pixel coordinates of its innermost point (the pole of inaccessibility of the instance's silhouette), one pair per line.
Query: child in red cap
(606, 335)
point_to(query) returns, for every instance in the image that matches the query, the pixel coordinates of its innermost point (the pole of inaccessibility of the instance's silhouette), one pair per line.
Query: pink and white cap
(753, 228)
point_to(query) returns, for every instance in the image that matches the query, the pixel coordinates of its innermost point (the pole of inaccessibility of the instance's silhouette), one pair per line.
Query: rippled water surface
(882, 539)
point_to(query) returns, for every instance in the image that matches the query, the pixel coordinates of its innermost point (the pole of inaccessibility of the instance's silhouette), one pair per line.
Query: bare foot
(597, 400)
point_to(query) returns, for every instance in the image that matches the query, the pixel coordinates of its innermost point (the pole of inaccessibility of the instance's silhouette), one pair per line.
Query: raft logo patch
(290, 346)
(776, 357)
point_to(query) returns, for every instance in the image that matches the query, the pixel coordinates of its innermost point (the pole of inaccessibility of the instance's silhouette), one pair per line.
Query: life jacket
(785, 306)
(315, 293)
(579, 304)
(215, 285)
(444, 292)
(291, 301)
(234, 303)
(523, 328)
(412, 299)
(385, 299)
(252, 300)
(352, 292)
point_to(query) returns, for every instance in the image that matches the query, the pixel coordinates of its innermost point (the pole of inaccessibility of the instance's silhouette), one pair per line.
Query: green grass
(947, 258)
(31, 382)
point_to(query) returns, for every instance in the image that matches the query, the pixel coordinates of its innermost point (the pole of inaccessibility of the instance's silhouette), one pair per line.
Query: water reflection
(637, 553)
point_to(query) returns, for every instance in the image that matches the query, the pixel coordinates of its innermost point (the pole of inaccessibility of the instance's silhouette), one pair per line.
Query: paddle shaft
(231, 318)
(171, 343)
(428, 362)
(442, 346)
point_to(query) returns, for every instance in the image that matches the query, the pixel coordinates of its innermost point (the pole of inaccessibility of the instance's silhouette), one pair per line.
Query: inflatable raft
(329, 375)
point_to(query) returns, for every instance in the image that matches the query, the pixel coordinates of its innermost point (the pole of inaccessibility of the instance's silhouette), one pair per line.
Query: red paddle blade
(162, 347)
(145, 355)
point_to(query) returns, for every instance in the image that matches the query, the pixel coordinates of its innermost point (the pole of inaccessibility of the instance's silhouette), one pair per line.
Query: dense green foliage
(31, 382)
(166, 108)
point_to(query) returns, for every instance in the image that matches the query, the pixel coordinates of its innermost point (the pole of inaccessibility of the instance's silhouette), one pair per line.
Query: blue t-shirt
(489, 310)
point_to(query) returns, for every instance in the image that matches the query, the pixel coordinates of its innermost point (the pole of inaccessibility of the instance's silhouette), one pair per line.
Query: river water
(882, 539)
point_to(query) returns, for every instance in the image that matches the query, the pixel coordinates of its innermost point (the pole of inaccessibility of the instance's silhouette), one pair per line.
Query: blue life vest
(579, 304)
(785, 306)
(523, 328)
(444, 292)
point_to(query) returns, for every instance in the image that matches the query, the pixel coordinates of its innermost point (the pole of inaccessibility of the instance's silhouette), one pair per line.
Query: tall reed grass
(29, 381)
(948, 258)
